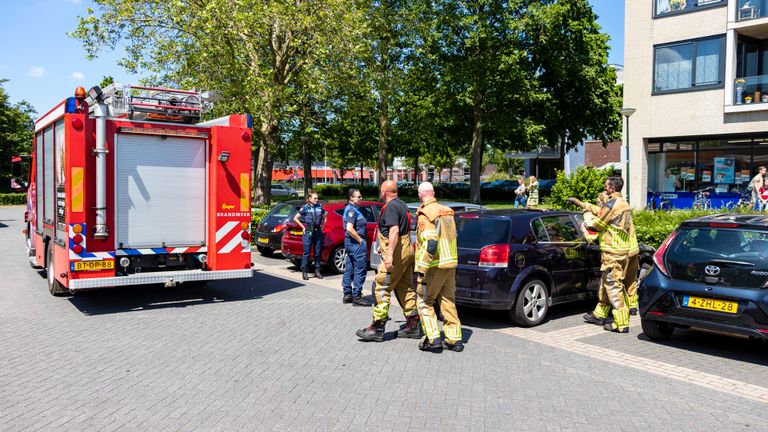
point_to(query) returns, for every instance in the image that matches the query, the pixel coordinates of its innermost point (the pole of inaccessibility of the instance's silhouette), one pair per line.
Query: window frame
(694, 52)
(695, 8)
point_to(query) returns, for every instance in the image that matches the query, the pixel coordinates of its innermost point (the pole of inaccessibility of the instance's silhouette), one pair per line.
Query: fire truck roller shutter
(160, 191)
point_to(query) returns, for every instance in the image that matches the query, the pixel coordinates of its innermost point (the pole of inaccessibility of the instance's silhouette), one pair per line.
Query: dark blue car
(711, 273)
(524, 261)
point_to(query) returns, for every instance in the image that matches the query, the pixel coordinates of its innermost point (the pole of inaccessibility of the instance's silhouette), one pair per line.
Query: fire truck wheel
(54, 286)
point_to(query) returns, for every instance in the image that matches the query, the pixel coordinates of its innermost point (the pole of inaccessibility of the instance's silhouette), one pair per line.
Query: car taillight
(494, 256)
(658, 257)
(278, 228)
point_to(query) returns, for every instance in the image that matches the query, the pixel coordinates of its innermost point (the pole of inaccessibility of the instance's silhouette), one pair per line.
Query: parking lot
(278, 353)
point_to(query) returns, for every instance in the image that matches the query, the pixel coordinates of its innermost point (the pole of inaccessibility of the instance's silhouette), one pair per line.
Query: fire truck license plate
(93, 265)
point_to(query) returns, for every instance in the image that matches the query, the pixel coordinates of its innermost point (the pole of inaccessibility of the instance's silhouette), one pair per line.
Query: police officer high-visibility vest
(435, 237)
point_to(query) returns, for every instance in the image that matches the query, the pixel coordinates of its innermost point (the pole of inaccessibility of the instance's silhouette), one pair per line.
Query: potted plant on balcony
(748, 99)
(764, 98)
(677, 5)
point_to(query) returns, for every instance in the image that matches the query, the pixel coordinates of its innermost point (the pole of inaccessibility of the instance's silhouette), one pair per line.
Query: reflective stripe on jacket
(435, 222)
(615, 226)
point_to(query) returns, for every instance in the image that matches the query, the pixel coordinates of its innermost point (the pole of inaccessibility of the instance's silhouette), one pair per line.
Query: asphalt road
(276, 353)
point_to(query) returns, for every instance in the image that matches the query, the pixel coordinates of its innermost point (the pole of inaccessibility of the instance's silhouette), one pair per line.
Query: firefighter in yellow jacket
(618, 246)
(436, 262)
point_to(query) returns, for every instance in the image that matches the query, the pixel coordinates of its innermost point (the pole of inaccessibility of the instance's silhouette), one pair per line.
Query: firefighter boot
(590, 318)
(457, 347)
(374, 332)
(411, 329)
(435, 346)
(620, 322)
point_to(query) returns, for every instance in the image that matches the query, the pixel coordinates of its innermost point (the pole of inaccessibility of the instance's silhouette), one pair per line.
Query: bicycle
(744, 202)
(663, 204)
(701, 200)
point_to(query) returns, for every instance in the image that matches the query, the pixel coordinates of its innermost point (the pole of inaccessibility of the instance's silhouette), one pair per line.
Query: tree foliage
(256, 53)
(16, 128)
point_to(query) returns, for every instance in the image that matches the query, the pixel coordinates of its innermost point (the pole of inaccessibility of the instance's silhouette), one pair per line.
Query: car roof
(451, 204)
(730, 220)
(335, 205)
(520, 213)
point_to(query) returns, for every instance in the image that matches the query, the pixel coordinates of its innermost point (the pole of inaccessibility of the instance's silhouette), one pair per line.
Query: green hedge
(652, 227)
(13, 199)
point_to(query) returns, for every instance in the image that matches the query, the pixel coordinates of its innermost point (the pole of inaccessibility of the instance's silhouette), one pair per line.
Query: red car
(333, 254)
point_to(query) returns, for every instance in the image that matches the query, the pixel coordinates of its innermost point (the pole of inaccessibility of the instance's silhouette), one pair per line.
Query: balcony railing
(750, 90)
(750, 9)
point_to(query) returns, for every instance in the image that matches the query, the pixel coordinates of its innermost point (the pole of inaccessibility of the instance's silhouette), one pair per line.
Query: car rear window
(741, 256)
(476, 233)
(281, 210)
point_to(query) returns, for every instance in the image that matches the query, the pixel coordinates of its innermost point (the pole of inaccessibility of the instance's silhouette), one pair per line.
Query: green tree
(16, 128)
(569, 58)
(255, 53)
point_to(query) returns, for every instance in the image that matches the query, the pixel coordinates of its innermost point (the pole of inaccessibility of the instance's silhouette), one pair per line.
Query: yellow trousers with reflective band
(630, 280)
(439, 284)
(401, 280)
(612, 293)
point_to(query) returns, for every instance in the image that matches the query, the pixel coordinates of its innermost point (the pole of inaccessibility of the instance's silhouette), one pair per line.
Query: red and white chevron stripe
(229, 239)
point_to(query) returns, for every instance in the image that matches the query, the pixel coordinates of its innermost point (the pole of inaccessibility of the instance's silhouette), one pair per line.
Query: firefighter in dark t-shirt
(396, 270)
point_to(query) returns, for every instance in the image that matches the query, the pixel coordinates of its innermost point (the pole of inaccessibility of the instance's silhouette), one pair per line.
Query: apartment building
(696, 73)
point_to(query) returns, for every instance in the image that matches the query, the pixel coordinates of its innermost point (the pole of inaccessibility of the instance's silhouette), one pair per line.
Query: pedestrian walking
(355, 244)
(533, 192)
(763, 197)
(755, 185)
(436, 262)
(395, 273)
(311, 218)
(618, 244)
(520, 195)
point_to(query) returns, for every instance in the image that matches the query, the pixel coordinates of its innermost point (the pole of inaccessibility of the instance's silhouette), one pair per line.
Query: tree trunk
(270, 140)
(381, 166)
(477, 148)
(254, 172)
(416, 176)
(307, 162)
(361, 173)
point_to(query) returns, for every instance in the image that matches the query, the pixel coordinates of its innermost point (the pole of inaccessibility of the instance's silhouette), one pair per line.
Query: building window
(690, 65)
(672, 7)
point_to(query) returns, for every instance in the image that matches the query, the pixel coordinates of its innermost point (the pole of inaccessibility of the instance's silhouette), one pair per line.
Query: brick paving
(275, 353)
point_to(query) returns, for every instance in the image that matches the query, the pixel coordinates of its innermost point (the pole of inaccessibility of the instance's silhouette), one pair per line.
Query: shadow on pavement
(728, 347)
(496, 319)
(147, 297)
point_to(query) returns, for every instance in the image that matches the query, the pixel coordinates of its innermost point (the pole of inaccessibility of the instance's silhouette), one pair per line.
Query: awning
(532, 155)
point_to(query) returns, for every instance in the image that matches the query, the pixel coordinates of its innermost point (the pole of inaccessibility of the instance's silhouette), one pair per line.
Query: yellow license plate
(296, 232)
(93, 265)
(263, 240)
(711, 304)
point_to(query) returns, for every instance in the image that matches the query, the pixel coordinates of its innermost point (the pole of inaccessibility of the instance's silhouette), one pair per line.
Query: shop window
(671, 172)
(689, 65)
(726, 171)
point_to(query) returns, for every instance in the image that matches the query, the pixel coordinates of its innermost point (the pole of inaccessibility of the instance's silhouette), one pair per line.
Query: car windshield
(476, 233)
(740, 256)
(281, 210)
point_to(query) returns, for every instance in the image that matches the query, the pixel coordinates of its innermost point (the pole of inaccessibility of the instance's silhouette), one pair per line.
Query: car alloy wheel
(339, 259)
(532, 304)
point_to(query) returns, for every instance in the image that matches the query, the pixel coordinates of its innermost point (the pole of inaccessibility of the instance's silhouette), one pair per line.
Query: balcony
(750, 9)
(749, 94)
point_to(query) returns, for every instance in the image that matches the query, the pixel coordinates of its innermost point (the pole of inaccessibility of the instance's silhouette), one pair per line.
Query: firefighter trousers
(439, 285)
(400, 280)
(630, 280)
(612, 292)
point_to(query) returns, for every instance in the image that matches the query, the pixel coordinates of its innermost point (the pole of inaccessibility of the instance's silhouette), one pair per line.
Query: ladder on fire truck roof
(154, 103)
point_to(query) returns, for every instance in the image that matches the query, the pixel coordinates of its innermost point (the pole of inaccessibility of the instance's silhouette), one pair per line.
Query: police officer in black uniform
(356, 247)
(311, 219)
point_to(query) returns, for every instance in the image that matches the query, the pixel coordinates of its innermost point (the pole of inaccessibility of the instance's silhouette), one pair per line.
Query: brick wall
(597, 155)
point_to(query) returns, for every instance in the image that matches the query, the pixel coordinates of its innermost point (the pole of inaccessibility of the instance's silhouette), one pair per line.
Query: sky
(44, 65)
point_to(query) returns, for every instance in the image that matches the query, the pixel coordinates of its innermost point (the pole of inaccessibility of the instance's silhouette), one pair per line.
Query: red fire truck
(128, 187)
